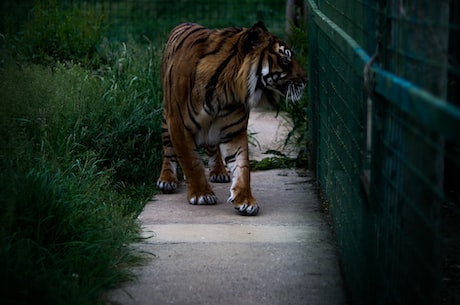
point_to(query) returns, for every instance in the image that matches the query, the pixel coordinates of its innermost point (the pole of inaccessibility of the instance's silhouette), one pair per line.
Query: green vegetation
(272, 162)
(80, 143)
(79, 151)
(55, 33)
(298, 112)
(78, 155)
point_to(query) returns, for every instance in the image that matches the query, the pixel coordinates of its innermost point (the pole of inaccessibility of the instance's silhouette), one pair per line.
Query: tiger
(211, 79)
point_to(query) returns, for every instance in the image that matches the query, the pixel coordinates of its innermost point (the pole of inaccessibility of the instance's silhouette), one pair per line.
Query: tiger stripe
(211, 79)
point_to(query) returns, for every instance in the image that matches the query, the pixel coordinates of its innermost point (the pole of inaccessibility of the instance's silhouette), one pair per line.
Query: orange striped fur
(211, 79)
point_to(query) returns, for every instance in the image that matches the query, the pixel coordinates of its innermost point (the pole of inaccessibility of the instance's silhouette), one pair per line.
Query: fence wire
(384, 123)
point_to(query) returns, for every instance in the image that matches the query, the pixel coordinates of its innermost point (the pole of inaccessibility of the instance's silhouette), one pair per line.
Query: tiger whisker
(294, 93)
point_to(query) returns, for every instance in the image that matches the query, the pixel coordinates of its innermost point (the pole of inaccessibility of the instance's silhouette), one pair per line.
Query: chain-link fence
(384, 122)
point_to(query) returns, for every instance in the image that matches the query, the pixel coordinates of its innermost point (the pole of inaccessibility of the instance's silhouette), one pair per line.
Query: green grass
(64, 235)
(80, 138)
(79, 154)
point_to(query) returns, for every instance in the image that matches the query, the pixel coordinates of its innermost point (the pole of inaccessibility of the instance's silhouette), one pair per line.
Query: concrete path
(211, 255)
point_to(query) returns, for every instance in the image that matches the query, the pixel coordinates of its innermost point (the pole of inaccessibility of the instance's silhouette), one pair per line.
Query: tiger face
(211, 79)
(277, 71)
(282, 74)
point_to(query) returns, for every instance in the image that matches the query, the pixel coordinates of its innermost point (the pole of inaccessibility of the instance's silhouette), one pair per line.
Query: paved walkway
(211, 255)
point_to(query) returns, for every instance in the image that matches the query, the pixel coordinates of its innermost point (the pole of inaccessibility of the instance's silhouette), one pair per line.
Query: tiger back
(211, 79)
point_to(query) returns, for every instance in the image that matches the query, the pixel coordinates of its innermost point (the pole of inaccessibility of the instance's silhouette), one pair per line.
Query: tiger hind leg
(167, 182)
(199, 191)
(217, 170)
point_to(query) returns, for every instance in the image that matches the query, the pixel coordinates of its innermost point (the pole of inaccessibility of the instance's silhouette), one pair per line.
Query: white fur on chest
(254, 93)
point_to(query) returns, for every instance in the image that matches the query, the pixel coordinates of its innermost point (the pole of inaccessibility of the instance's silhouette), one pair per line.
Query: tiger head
(274, 66)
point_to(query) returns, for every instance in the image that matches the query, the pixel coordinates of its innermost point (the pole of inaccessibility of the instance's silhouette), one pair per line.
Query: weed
(298, 111)
(272, 162)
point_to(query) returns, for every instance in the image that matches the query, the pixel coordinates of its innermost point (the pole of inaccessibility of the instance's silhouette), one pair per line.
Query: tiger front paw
(245, 205)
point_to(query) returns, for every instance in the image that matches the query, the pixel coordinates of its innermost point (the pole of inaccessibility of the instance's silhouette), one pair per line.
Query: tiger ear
(259, 26)
(255, 36)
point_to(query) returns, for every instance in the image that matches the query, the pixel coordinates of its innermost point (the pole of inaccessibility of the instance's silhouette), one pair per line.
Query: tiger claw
(248, 210)
(244, 209)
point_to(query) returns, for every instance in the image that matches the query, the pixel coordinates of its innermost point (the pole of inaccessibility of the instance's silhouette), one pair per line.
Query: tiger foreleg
(217, 170)
(236, 155)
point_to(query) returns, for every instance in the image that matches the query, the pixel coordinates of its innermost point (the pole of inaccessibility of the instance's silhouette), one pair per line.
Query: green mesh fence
(160, 16)
(153, 19)
(384, 124)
